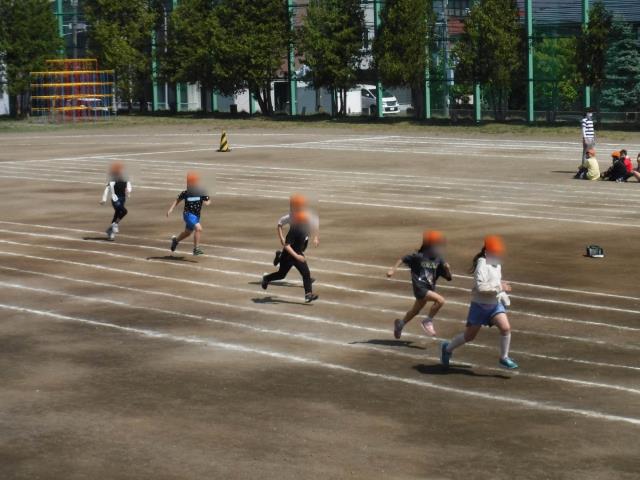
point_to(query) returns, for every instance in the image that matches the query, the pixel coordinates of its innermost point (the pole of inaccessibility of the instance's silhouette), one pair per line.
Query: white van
(368, 94)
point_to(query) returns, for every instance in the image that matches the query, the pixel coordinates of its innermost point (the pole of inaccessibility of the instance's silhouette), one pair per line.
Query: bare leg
(418, 305)
(438, 302)
(196, 235)
(469, 335)
(184, 235)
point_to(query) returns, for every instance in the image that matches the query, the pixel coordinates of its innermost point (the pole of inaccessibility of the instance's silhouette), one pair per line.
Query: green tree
(194, 39)
(331, 40)
(28, 37)
(556, 74)
(401, 49)
(257, 36)
(490, 50)
(621, 89)
(120, 34)
(593, 43)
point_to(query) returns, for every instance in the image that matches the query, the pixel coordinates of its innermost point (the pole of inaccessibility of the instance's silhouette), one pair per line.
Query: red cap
(493, 244)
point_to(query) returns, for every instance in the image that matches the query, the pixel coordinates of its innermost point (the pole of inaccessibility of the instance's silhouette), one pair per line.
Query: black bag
(595, 251)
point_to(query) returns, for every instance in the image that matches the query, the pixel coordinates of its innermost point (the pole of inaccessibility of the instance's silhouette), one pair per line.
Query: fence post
(530, 80)
(174, 4)
(293, 83)
(60, 18)
(426, 106)
(154, 69)
(477, 94)
(585, 24)
(376, 29)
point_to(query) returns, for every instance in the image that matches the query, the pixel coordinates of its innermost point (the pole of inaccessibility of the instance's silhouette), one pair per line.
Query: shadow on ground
(272, 301)
(390, 343)
(438, 369)
(172, 258)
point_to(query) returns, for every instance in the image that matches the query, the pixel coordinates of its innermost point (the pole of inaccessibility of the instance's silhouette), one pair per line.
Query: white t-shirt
(487, 282)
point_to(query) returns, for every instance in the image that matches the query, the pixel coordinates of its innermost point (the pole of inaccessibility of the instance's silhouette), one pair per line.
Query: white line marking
(212, 343)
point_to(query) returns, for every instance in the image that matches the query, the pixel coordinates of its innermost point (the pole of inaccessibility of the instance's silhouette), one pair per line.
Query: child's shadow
(390, 343)
(277, 283)
(97, 239)
(172, 258)
(439, 369)
(274, 301)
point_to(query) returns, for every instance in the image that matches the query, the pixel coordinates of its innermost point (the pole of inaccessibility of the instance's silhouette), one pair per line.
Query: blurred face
(589, 115)
(438, 249)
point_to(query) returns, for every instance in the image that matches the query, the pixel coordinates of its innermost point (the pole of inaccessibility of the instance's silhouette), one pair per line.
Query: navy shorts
(483, 313)
(190, 221)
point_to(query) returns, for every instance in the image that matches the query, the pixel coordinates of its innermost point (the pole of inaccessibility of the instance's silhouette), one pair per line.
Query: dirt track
(120, 361)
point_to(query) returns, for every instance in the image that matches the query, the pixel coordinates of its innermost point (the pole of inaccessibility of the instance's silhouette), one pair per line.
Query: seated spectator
(627, 161)
(591, 168)
(618, 171)
(636, 173)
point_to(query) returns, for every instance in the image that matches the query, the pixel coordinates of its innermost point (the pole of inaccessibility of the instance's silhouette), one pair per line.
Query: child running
(194, 197)
(427, 265)
(119, 188)
(488, 303)
(295, 244)
(297, 202)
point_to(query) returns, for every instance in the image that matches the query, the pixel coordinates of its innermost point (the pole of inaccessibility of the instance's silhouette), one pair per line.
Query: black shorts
(420, 291)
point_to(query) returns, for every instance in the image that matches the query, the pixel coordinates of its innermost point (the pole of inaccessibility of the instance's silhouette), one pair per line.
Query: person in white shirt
(297, 202)
(118, 190)
(488, 303)
(588, 135)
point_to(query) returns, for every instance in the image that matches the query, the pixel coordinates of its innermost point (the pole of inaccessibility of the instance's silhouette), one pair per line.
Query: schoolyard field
(120, 360)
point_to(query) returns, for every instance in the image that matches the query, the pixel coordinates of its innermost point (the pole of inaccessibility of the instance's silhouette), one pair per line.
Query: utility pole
(174, 4)
(585, 24)
(74, 27)
(293, 83)
(530, 85)
(477, 94)
(426, 101)
(445, 58)
(376, 28)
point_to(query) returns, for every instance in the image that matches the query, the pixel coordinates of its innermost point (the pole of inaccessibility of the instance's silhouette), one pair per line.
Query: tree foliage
(556, 74)
(621, 89)
(194, 39)
(28, 37)
(490, 49)
(120, 37)
(593, 43)
(331, 40)
(257, 35)
(401, 48)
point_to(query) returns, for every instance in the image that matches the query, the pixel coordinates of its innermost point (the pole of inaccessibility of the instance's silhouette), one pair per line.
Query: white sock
(429, 319)
(456, 342)
(505, 343)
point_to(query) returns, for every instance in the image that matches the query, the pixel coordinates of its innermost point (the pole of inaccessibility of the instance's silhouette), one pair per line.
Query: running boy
(194, 197)
(119, 189)
(295, 244)
(297, 203)
(427, 265)
(488, 303)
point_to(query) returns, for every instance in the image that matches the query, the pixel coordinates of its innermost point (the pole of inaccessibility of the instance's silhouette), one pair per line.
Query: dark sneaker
(174, 243)
(397, 328)
(310, 297)
(276, 260)
(445, 355)
(197, 252)
(264, 283)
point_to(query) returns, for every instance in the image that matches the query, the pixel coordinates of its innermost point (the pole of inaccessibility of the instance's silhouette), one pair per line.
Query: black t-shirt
(426, 268)
(193, 200)
(119, 186)
(298, 238)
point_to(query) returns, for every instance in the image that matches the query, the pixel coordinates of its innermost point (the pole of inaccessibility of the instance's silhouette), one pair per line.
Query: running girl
(194, 197)
(488, 303)
(295, 244)
(118, 189)
(297, 203)
(427, 265)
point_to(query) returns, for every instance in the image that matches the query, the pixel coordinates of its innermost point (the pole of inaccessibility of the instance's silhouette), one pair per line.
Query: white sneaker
(427, 326)
(115, 228)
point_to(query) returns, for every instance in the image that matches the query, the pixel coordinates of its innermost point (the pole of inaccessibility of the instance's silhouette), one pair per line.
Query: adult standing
(588, 134)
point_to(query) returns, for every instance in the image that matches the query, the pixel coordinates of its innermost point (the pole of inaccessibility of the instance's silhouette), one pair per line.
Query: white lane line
(324, 284)
(235, 347)
(285, 195)
(589, 293)
(302, 336)
(316, 319)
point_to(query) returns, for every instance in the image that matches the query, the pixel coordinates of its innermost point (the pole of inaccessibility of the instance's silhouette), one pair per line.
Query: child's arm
(316, 231)
(104, 194)
(293, 253)
(173, 205)
(129, 188)
(207, 202)
(393, 269)
(446, 272)
(280, 234)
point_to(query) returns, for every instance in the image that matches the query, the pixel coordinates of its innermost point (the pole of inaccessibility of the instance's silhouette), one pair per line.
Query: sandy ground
(120, 361)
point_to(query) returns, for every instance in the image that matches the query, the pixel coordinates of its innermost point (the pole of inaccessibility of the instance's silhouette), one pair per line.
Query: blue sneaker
(508, 363)
(445, 355)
